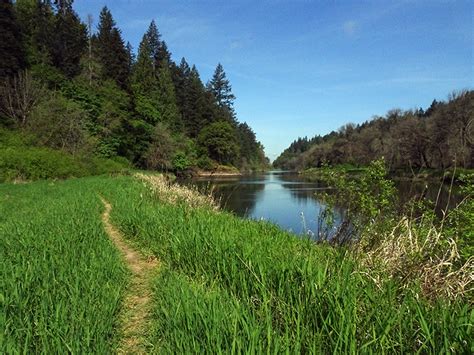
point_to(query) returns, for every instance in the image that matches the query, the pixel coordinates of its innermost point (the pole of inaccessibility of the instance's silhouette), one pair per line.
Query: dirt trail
(133, 320)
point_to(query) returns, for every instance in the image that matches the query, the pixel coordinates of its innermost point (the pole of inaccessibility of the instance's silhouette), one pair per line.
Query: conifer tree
(144, 77)
(111, 50)
(220, 87)
(154, 42)
(70, 39)
(197, 105)
(180, 76)
(36, 19)
(12, 58)
(163, 56)
(169, 112)
(130, 56)
(145, 84)
(158, 48)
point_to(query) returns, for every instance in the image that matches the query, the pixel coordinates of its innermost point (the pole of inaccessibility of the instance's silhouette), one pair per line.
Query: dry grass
(174, 193)
(414, 253)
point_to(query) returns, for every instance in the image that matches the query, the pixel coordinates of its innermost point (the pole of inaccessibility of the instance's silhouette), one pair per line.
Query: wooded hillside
(80, 88)
(440, 137)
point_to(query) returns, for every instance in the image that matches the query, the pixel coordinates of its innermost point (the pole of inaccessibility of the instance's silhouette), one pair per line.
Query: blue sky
(301, 67)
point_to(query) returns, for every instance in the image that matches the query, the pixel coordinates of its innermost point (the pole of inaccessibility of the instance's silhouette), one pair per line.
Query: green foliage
(30, 163)
(111, 51)
(220, 140)
(59, 123)
(221, 89)
(69, 40)
(409, 244)
(36, 19)
(21, 160)
(366, 199)
(411, 140)
(206, 163)
(110, 102)
(168, 111)
(460, 221)
(252, 156)
(13, 56)
(161, 149)
(181, 162)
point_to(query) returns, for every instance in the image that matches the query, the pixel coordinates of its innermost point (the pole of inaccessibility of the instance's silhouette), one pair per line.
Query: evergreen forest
(78, 94)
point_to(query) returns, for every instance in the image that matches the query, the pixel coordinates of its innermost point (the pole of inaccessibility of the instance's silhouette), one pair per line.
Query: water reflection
(291, 202)
(277, 196)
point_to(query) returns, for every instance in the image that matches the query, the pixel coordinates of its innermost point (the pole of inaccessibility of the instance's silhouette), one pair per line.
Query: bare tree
(18, 96)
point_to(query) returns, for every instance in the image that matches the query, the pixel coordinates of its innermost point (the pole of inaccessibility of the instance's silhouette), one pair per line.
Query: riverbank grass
(224, 285)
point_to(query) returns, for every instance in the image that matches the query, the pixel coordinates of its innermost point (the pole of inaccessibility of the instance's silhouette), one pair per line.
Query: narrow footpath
(136, 307)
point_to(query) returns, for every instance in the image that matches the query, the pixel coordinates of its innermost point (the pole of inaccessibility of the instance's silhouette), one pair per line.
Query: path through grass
(134, 316)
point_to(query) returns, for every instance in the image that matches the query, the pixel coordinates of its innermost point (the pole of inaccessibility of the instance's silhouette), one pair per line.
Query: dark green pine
(12, 58)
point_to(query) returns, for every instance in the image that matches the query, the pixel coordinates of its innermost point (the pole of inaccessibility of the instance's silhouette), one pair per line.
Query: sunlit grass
(226, 284)
(62, 279)
(232, 285)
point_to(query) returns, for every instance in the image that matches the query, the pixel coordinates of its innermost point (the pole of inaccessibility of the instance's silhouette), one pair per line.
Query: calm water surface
(286, 199)
(277, 196)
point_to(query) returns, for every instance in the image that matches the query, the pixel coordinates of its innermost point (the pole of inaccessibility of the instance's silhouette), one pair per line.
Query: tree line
(440, 137)
(81, 88)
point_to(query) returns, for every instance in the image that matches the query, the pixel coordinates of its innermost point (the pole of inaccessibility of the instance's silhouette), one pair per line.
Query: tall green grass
(226, 285)
(61, 278)
(232, 285)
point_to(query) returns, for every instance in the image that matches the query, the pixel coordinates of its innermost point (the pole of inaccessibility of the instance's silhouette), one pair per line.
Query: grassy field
(62, 279)
(225, 284)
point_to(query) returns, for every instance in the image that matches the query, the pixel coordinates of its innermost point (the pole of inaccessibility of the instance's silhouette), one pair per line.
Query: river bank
(448, 175)
(225, 284)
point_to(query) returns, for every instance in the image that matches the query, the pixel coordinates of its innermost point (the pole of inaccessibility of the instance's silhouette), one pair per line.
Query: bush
(32, 163)
(205, 163)
(59, 123)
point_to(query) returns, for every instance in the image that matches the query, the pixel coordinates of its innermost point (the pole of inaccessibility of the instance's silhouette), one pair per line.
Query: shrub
(32, 163)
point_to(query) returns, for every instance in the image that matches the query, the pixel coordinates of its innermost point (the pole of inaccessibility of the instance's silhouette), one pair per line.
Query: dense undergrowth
(22, 160)
(226, 284)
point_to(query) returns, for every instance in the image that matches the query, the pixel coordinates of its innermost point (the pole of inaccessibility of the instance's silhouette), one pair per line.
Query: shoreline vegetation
(227, 284)
(447, 175)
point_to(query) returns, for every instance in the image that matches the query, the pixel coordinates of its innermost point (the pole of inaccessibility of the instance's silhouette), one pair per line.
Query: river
(288, 200)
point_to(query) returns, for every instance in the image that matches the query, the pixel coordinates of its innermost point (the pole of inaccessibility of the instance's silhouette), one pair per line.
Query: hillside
(80, 89)
(440, 137)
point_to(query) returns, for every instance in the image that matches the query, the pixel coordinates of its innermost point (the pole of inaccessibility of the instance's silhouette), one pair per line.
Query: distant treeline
(440, 137)
(80, 88)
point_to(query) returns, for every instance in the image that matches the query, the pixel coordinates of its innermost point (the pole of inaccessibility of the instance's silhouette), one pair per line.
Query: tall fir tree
(220, 87)
(36, 19)
(111, 50)
(169, 112)
(163, 56)
(145, 84)
(180, 75)
(159, 49)
(70, 39)
(130, 56)
(12, 58)
(196, 104)
(154, 43)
